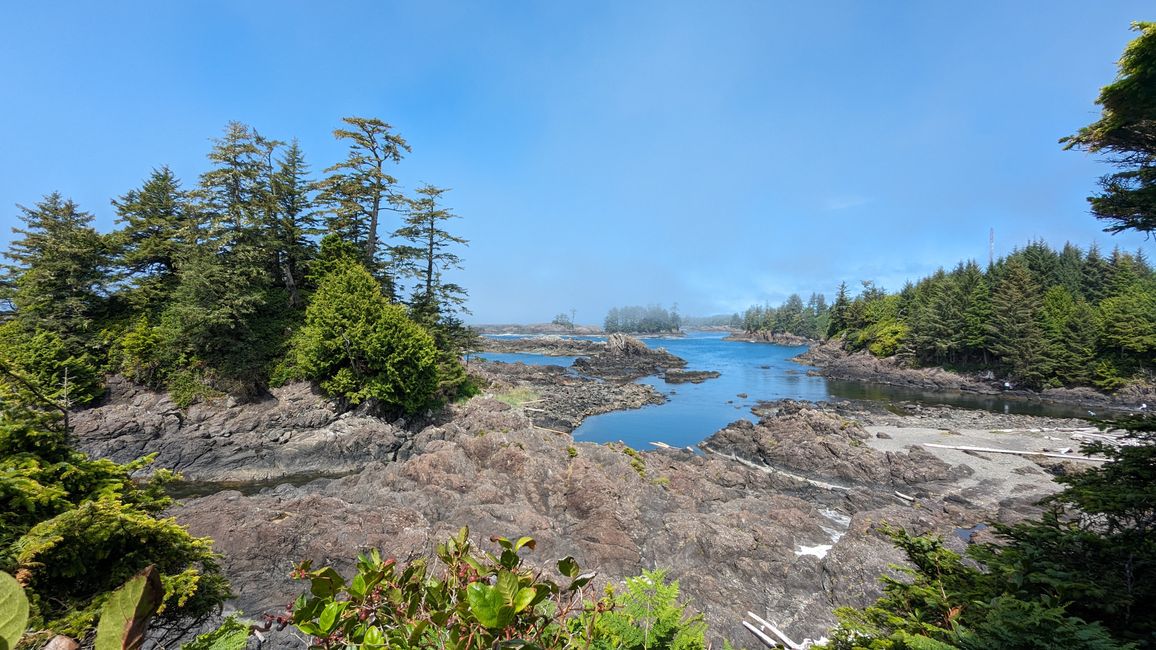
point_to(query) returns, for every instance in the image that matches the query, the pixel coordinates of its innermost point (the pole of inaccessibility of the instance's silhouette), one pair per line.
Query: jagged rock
(294, 431)
(626, 358)
(726, 532)
(800, 438)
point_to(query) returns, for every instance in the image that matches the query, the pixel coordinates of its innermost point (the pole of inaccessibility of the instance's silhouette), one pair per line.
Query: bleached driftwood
(781, 640)
(992, 450)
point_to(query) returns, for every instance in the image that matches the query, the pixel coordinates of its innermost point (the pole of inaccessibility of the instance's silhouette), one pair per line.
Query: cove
(750, 373)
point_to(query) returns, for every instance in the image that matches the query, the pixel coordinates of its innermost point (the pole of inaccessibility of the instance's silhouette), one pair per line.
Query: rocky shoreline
(830, 360)
(779, 517)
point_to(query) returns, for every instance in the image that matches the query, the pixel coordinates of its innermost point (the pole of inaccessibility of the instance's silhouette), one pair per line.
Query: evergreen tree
(1126, 135)
(295, 222)
(1129, 321)
(1017, 337)
(1095, 273)
(977, 314)
(839, 311)
(426, 254)
(358, 346)
(359, 188)
(59, 272)
(158, 225)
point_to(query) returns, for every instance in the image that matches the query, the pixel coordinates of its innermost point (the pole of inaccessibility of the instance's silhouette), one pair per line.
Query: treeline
(258, 273)
(809, 320)
(643, 320)
(1042, 317)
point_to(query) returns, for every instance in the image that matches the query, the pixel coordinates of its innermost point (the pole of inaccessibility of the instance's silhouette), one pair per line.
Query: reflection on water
(960, 399)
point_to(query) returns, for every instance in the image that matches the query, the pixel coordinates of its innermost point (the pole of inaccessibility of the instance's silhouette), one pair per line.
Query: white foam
(819, 551)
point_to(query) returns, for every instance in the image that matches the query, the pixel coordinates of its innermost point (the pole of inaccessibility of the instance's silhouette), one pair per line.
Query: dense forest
(245, 280)
(809, 320)
(643, 320)
(1042, 317)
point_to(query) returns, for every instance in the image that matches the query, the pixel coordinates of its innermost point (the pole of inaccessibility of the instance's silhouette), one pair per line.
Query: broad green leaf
(124, 617)
(324, 583)
(528, 542)
(373, 637)
(13, 610)
(581, 581)
(508, 585)
(331, 615)
(568, 567)
(488, 606)
(524, 598)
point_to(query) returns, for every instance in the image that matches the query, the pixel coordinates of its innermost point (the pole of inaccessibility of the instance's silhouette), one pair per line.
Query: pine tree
(158, 226)
(359, 188)
(60, 270)
(426, 255)
(1017, 337)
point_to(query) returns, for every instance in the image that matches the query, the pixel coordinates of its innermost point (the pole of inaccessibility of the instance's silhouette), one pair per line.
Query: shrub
(42, 358)
(359, 347)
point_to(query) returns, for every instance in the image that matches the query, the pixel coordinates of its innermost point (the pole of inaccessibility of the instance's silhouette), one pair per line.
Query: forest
(244, 280)
(1043, 318)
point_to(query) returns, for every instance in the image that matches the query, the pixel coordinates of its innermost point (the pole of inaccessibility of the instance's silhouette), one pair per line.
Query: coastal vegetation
(653, 319)
(261, 275)
(1040, 317)
(257, 275)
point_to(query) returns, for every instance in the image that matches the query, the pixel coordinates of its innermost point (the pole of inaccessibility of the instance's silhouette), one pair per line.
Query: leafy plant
(125, 615)
(13, 611)
(477, 600)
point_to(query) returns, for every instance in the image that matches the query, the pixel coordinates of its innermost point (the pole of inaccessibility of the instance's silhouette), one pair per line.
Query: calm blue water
(694, 411)
(761, 371)
(526, 358)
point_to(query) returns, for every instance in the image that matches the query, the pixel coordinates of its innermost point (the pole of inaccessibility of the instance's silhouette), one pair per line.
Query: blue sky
(712, 154)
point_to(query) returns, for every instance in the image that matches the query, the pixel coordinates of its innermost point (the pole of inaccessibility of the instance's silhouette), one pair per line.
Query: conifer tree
(358, 188)
(426, 254)
(1017, 337)
(158, 225)
(295, 222)
(838, 321)
(59, 270)
(1126, 135)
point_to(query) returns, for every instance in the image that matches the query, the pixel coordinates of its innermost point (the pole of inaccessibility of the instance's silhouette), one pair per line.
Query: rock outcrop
(292, 432)
(728, 533)
(626, 358)
(799, 438)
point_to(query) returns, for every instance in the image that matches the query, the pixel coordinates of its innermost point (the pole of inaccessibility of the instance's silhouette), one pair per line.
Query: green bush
(42, 358)
(141, 354)
(74, 529)
(358, 346)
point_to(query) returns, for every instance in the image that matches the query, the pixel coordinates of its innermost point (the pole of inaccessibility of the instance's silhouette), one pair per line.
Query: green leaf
(508, 585)
(524, 598)
(331, 615)
(528, 542)
(488, 606)
(568, 567)
(124, 618)
(415, 635)
(373, 637)
(232, 634)
(13, 610)
(581, 581)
